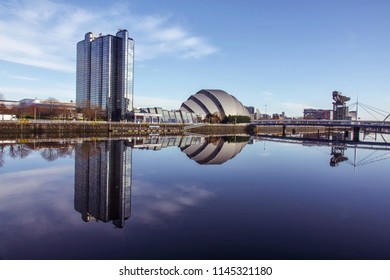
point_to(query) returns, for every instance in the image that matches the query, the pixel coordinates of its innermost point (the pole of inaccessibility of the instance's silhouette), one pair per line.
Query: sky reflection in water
(259, 200)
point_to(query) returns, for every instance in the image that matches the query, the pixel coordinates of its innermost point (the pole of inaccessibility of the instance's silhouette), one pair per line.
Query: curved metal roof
(210, 101)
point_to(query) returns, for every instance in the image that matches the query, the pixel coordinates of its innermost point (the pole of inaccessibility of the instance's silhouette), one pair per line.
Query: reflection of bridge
(338, 148)
(369, 145)
(382, 127)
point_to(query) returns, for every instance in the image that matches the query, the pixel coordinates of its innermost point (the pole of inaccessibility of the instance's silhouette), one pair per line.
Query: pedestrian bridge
(382, 127)
(333, 123)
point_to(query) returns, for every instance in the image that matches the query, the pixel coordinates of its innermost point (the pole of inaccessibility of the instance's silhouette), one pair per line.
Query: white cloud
(169, 34)
(37, 178)
(28, 34)
(44, 34)
(156, 202)
(267, 93)
(21, 77)
(158, 37)
(55, 187)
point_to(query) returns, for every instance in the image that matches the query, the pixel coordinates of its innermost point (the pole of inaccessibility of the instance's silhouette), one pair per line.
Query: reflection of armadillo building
(103, 181)
(215, 151)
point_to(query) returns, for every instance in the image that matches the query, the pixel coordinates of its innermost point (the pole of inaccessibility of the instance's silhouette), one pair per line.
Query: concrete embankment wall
(22, 129)
(221, 129)
(31, 129)
(19, 129)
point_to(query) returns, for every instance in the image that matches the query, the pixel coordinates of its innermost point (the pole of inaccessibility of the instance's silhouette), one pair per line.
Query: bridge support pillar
(284, 130)
(356, 133)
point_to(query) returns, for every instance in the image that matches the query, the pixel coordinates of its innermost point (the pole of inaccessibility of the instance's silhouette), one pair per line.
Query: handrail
(322, 122)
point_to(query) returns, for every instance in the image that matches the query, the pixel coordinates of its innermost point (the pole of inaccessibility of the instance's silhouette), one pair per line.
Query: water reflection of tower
(337, 155)
(103, 181)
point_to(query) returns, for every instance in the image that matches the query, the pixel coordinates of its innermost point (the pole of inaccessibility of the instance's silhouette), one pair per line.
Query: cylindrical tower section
(126, 61)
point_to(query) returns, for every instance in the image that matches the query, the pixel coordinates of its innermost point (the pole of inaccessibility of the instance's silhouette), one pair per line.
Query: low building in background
(353, 115)
(281, 116)
(317, 114)
(8, 104)
(212, 106)
(251, 111)
(39, 108)
(159, 115)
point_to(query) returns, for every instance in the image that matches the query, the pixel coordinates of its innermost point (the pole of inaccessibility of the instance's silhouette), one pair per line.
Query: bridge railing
(322, 122)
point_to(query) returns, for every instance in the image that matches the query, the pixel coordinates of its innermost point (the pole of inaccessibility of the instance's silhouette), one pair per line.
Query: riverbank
(62, 129)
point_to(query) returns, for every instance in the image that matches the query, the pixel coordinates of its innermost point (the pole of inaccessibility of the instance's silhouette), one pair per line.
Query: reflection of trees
(51, 154)
(89, 149)
(1, 155)
(19, 151)
(65, 151)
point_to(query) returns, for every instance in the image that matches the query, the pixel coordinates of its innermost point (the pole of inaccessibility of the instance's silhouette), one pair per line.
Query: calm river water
(194, 197)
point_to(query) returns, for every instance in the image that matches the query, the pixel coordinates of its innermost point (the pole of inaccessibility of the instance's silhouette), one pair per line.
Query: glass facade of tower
(105, 74)
(103, 181)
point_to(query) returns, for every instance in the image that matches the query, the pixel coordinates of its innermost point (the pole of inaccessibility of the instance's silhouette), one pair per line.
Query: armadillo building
(211, 101)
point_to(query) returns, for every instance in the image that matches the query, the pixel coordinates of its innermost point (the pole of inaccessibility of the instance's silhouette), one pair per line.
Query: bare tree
(52, 101)
(1, 96)
(53, 107)
(3, 108)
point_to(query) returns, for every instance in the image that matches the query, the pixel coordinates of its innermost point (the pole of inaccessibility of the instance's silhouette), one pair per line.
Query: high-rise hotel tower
(105, 74)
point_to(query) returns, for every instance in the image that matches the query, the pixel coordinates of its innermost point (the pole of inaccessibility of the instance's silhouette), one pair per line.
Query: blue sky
(280, 54)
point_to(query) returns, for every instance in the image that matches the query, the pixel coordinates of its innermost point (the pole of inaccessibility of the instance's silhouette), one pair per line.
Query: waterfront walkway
(326, 123)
